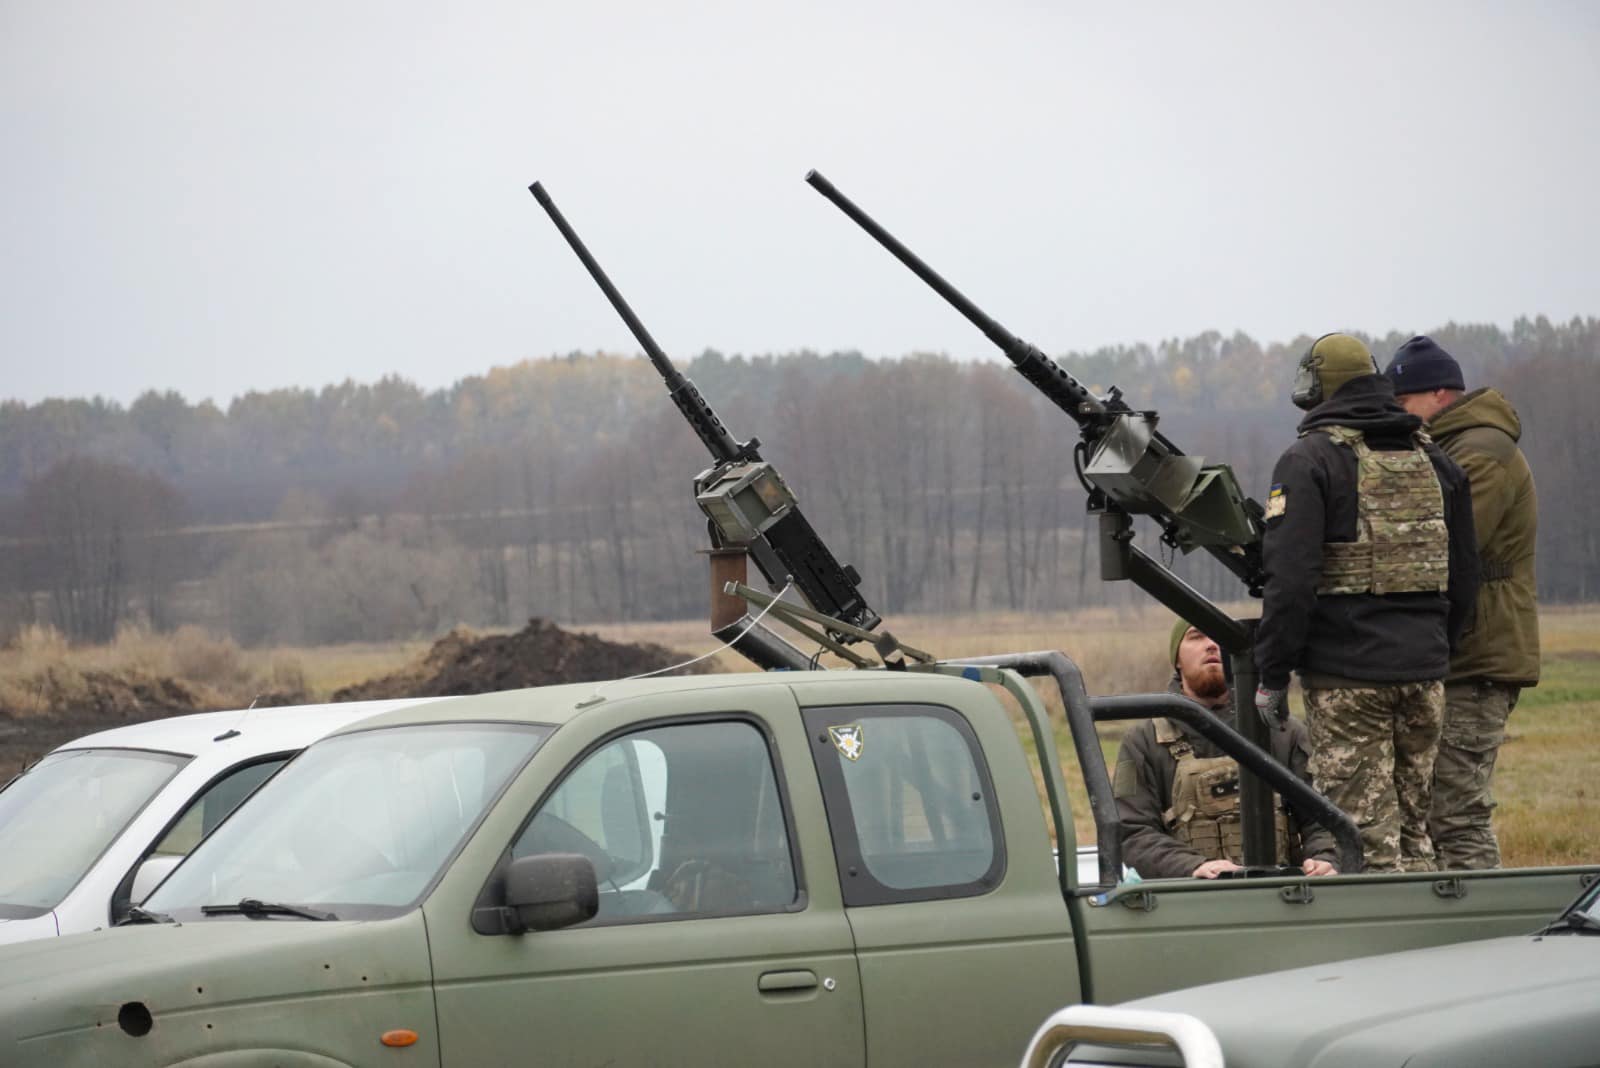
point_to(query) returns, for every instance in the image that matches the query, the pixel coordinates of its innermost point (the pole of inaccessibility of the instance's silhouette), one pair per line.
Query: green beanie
(1180, 627)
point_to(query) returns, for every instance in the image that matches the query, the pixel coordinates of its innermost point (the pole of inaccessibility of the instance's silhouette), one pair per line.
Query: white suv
(91, 828)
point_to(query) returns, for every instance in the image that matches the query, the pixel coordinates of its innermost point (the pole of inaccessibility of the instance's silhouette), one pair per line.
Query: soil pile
(539, 654)
(56, 705)
(130, 696)
(62, 705)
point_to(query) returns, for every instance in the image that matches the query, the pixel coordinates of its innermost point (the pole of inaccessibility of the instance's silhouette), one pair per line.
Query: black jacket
(1400, 637)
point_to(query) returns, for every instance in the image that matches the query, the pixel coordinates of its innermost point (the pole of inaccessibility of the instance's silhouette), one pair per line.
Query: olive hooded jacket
(1479, 431)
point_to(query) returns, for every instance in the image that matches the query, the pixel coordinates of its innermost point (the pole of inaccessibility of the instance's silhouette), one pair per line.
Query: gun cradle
(743, 500)
(1143, 479)
(751, 506)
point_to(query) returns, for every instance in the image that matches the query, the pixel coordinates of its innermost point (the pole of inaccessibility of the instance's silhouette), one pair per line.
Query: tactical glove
(1273, 707)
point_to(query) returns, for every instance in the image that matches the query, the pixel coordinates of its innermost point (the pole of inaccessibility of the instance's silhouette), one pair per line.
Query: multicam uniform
(1499, 653)
(1371, 575)
(1178, 800)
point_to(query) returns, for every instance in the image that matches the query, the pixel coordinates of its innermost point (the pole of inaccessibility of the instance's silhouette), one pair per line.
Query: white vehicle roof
(209, 745)
(261, 730)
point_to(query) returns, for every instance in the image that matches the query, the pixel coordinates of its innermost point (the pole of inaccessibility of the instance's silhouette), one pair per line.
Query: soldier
(1178, 796)
(1499, 653)
(1371, 573)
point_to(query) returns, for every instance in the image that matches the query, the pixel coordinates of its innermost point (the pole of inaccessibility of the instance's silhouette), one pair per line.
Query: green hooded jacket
(1479, 431)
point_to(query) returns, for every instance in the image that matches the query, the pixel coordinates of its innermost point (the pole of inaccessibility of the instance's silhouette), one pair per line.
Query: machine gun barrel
(1070, 395)
(746, 500)
(1133, 467)
(718, 441)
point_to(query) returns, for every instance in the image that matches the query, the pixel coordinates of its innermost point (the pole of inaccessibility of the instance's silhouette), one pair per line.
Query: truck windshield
(357, 826)
(57, 819)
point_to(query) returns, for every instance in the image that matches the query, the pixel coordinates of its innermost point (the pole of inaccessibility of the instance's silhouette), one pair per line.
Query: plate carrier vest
(1205, 802)
(1402, 545)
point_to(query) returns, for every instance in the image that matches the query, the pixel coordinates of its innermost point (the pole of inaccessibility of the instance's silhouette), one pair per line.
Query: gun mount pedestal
(732, 624)
(1121, 559)
(1255, 796)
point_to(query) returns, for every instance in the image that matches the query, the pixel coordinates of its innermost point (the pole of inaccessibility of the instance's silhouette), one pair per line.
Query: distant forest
(561, 487)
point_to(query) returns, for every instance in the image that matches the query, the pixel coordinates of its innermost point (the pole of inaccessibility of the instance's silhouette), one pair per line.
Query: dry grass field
(1549, 809)
(41, 675)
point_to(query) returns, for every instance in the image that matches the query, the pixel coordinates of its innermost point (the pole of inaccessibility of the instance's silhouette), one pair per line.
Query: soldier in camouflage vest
(1499, 654)
(1372, 573)
(1178, 795)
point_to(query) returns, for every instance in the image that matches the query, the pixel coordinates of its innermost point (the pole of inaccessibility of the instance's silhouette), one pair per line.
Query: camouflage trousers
(1475, 714)
(1372, 753)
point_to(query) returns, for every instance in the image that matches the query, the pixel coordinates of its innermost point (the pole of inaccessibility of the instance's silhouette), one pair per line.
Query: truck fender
(257, 1058)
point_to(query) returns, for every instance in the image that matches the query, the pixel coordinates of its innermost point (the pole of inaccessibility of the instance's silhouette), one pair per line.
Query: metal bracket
(1143, 901)
(1452, 887)
(1298, 894)
(799, 616)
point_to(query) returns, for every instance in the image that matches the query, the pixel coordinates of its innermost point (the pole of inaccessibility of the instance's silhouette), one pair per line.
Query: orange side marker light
(402, 1037)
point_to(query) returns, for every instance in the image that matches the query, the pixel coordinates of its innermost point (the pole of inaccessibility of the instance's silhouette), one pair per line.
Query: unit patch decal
(848, 740)
(1277, 501)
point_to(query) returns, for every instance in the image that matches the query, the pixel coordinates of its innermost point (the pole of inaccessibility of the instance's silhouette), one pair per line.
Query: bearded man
(1178, 795)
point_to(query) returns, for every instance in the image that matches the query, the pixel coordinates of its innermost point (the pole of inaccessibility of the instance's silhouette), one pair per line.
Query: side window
(680, 821)
(213, 805)
(909, 803)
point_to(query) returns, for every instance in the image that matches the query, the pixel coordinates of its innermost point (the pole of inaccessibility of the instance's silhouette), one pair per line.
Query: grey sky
(219, 196)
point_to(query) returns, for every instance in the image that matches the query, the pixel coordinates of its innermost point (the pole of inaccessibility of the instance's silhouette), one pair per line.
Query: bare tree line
(561, 487)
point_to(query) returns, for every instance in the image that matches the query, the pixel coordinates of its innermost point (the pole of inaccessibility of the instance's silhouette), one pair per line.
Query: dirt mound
(43, 709)
(63, 705)
(539, 654)
(125, 695)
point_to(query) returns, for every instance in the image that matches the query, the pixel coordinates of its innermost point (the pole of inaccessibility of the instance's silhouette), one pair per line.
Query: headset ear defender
(1337, 356)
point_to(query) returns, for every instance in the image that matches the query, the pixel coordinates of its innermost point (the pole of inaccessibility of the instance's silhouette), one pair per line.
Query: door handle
(786, 982)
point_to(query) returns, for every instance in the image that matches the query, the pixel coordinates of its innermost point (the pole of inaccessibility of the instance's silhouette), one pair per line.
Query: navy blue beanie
(1421, 366)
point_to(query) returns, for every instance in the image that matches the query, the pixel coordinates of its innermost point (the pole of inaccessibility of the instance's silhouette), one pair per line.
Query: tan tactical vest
(1402, 545)
(1205, 802)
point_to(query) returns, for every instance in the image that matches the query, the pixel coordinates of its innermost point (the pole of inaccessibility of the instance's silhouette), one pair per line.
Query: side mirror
(548, 891)
(150, 874)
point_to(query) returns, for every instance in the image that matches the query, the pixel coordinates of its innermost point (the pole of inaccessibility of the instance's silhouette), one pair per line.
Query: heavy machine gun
(1126, 464)
(1129, 468)
(748, 506)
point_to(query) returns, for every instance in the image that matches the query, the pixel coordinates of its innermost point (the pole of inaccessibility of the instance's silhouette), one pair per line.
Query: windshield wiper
(139, 915)
(1574, 923)
(254, 907)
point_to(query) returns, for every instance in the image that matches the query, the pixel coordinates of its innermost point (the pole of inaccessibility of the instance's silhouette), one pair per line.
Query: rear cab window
(910, 803)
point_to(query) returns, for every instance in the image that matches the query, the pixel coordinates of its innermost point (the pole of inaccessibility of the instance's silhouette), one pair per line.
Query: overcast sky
(221, 196)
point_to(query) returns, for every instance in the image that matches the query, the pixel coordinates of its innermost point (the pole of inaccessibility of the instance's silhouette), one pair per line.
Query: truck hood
(1476, 1003)
(82, 981)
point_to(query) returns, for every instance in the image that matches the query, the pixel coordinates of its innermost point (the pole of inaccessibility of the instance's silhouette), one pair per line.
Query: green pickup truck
(791, 868)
